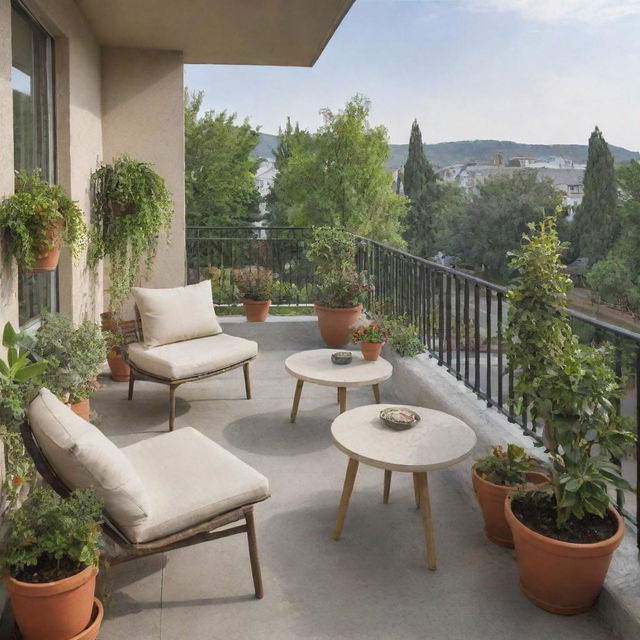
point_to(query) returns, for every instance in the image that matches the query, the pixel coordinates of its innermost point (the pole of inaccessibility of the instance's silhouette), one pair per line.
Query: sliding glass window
(33, 138)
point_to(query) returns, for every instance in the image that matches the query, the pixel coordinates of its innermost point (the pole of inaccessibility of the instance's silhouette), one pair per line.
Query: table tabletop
(316, 366)
(438, 441)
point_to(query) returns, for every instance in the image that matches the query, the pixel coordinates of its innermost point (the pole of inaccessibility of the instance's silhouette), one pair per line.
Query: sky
(535, 71)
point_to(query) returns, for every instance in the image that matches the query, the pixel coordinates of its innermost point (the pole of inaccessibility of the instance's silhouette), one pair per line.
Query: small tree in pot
(340, 289)
(564, 537)
(51, 556)
(255, 285)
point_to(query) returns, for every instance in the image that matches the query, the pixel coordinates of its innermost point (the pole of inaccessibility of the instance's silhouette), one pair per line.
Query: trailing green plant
(507, 467)
(339, 285)
(28, 216)
(50, 538)
(131, 207)
(566, 387)
(404, 337)
(75, 355)
(254, 283)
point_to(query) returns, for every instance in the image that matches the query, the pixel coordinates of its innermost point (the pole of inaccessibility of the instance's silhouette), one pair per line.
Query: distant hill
(446, 153)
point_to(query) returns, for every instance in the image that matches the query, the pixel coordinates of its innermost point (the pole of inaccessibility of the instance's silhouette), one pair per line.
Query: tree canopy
(219, 169)
(337, 177)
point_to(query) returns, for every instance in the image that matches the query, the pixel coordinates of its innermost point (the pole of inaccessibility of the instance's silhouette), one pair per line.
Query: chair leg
(172, 405)
(247, 379)
(132, 379)
(253, 554)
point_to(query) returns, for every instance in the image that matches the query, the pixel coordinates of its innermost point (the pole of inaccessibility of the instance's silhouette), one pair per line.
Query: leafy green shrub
(567, 386)
(507, 468)
(131, 207)
(223, 289)
(75, 355)
(287, 293)
(254, 283)
(51, 538)
(27, 216)
(404, 337)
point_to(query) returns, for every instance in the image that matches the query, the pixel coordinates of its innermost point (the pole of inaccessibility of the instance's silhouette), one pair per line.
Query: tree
(616, 279)
(220, 172)
(492, 223)
(336, 177)
(425, 191)
(595, 222)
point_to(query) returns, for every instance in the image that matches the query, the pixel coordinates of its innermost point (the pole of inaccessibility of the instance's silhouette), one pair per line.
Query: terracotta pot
(371, 350)
(491, 498)
(108, 321)
(120, 370)
(48, 260)
(91, 632)
(256, 310)
(118, 209)
(335, 324)
(57, 610)
(81, 408)
(561, 577)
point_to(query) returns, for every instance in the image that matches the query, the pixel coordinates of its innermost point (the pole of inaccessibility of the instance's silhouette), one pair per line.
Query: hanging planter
(37, 220)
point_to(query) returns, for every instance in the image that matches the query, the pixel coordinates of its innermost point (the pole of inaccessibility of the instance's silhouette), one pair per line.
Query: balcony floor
(371, 584)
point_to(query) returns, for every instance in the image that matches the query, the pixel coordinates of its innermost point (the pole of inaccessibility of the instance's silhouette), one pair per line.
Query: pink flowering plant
(370, 333)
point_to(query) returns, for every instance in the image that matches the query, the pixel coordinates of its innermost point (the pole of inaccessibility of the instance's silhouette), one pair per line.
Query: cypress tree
(422, 187)
(595, 222)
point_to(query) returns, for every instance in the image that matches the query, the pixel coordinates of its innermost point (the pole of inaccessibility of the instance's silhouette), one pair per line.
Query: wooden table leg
(349, 479)
(387, 486)
(427, 523)
(342, 398)
(296, 400)
(416, 490)
(376, 393)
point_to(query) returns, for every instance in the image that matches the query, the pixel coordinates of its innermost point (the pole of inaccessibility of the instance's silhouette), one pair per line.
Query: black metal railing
(460, 317)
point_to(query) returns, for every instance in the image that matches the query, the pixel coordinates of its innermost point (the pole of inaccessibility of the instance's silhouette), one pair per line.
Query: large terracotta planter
(59, 610)
(81, 408)
(120, 370)
(91, 632)
(491, 498)
(561, 577)
(48, 260)
(371, 350)
(256, 310)
(335, 324)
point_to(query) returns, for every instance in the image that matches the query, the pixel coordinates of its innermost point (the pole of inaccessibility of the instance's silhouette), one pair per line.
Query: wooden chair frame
(202, 532)
(131, 331)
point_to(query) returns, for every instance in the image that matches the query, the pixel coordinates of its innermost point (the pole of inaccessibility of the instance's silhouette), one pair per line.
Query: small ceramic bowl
(341, 357)
(399, 418)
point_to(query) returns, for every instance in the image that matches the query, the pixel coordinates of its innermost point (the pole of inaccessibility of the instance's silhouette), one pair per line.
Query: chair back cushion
(173, 315)
(82, 457)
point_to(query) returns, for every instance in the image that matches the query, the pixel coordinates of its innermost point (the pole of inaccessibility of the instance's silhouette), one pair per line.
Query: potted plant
(50, 557)
(340, 289)
(75, 356)
(494, 476)
(371, 338)
(256, 286)
(565, 535)
(36, 220)
(120, 370)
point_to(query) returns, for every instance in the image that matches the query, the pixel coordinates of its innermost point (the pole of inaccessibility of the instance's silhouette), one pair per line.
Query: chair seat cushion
(189, 479)
(82, 456)
(191, 357)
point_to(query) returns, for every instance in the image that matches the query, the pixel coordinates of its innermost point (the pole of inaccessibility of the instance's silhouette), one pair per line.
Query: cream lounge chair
(177, 339)
(163, 493)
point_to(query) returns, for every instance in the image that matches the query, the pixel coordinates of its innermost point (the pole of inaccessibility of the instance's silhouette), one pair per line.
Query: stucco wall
(8, 275)
(142, 115)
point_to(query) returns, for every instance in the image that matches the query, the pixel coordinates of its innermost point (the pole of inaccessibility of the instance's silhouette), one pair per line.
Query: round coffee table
(438, 441)
(315, 366)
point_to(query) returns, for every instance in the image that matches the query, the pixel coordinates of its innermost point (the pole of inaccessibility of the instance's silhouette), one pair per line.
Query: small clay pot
(256, 310)
(120, 370)
(371, 350)
(491, 498)
(81, 408)
(335, 324)
(561, 577)
(59, 610)
(48, 260)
